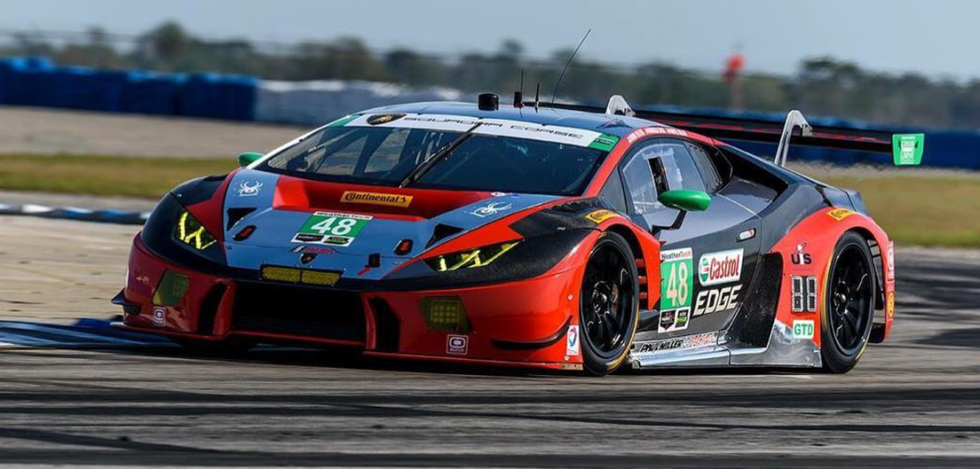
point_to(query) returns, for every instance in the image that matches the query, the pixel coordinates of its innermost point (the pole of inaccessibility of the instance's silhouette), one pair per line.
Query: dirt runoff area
(56, 131)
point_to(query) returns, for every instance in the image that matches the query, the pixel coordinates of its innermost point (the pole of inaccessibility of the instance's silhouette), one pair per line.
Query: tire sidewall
(593, 363)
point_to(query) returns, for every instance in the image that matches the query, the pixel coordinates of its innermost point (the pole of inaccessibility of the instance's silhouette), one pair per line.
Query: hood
(338, 226)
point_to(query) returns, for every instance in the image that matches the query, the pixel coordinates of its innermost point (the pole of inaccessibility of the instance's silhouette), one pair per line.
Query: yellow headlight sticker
(600, 216)
(839, 213)
(191, 232)
(470, 259)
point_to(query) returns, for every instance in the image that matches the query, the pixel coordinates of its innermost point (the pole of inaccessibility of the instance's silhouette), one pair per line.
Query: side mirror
(686, 200)
(248, 158)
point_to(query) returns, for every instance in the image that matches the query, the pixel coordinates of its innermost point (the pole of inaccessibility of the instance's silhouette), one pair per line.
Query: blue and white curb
(120, 217)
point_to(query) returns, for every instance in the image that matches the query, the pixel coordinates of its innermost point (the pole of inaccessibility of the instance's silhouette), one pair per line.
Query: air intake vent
(235, 215)
(442, 232)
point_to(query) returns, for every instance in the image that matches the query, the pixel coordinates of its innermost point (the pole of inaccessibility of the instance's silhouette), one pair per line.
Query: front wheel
(608, 305)
(848, 309)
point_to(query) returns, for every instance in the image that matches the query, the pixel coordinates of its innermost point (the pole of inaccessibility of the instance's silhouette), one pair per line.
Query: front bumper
(520, 323)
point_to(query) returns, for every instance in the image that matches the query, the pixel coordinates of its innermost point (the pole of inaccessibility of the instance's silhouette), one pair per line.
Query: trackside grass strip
(926, 209)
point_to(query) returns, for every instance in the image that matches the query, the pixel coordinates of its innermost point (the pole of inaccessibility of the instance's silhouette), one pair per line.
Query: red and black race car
(546, 236)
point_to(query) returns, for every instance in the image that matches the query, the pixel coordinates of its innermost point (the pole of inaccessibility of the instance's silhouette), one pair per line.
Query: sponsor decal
(674, 320)
(314, 249)
(799, 257)
(803, 329)
(839, 213)
(572, 341)
(717, 300)
(249, 188)
(679, 343)
(651, 131)
(720, 267)
(379, 119)
(490, 209)
(907, 149)
(457, 344)
(337, 229)
(159, 316)
(374, 198)
(604, 142)
(804, 294)
(891, 261)
(600, 216)
(890, 304)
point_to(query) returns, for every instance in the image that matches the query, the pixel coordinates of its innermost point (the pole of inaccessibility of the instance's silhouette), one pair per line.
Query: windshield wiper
(426, 165)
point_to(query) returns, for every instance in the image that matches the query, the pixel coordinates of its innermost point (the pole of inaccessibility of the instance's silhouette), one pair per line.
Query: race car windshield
(387, 155)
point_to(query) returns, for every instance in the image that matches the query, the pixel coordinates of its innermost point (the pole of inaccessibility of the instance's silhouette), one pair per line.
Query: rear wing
(905, 148)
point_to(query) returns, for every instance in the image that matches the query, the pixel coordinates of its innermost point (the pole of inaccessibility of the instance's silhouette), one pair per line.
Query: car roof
(615, 125)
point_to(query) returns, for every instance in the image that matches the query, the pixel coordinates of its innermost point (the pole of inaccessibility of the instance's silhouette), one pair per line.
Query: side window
(612, 193)
(678, 166)
(639, 180)
(709, 173)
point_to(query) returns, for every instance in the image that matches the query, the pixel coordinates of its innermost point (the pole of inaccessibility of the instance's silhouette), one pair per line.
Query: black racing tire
(608, 305)
(848, 304)
(209, 348)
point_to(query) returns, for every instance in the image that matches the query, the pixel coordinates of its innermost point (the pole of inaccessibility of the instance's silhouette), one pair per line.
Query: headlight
(469, 259)
(192, 233)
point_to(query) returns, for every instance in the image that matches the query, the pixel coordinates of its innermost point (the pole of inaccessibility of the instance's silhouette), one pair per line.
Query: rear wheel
(848, 312)
(608, 305)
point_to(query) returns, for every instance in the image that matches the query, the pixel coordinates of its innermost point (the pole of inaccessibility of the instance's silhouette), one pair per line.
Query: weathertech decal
(720, 267)
(839, 213)
(374, 198)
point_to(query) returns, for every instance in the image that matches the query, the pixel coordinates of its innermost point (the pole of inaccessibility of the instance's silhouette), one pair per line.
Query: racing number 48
(344, 226)
(678, 291)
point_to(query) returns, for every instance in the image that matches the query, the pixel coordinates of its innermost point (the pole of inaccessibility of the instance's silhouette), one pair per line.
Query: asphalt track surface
(912, 402)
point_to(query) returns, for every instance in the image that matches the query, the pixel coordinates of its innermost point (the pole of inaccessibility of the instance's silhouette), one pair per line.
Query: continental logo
(840, 213)
(600, 216)
(393, 200)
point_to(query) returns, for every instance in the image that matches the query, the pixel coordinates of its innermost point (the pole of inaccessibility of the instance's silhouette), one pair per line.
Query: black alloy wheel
(848, 305)
(608, 305)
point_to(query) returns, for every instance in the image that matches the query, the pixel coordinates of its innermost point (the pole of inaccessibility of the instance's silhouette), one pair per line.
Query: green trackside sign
(907, 149)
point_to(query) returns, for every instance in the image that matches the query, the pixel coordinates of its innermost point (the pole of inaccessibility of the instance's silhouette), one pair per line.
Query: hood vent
(442, 232)
(235, 215)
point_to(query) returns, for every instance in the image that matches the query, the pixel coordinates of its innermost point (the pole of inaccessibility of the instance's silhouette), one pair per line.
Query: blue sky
(937, 37)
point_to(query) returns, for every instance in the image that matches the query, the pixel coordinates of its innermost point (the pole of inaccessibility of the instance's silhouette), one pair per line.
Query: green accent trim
(248, 158)
(604, 142)
(687, 200)
(907, 149)
(343, 121)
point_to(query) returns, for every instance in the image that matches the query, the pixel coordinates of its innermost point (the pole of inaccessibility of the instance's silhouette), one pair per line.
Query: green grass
(925, 208)
(105, 175)
(928, 210)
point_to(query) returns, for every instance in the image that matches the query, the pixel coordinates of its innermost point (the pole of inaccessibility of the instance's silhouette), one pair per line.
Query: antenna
(562, 75)
(537, 97)
(519, 96)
